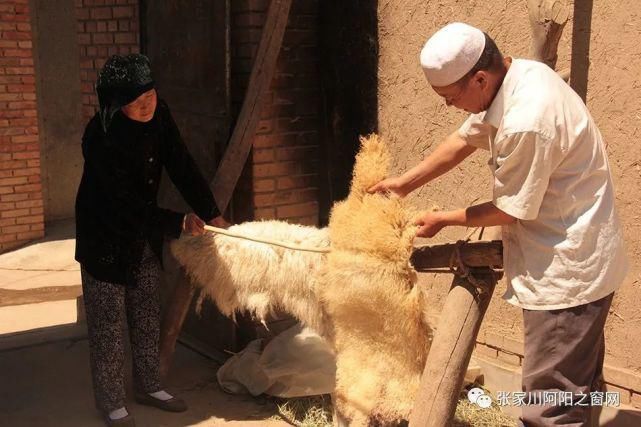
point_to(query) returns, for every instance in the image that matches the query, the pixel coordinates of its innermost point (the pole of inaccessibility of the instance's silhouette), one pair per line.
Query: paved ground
(44, 369)
(50, 385)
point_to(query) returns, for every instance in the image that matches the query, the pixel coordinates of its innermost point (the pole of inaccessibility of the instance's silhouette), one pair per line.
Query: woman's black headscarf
(120, 81)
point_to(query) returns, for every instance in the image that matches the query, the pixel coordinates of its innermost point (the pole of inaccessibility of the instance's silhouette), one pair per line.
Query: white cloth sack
(297, 362)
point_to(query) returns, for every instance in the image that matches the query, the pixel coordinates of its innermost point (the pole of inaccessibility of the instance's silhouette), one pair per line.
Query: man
(553, 196)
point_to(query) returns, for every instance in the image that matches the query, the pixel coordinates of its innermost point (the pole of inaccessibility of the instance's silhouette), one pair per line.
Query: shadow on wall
(349, 54)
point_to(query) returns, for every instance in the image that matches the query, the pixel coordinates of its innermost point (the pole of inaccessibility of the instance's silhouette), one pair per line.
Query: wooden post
(451, 349)
(263, 69)
(173, 320)
(547, 20)
(232, 163)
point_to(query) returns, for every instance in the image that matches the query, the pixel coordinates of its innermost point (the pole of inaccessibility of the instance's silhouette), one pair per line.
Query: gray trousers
(564, 352)
(105, 306)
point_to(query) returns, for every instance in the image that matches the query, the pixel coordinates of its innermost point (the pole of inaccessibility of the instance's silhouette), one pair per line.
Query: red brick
(26, 172)
(26, 155)
(23, 26)
(275, 169)
(12, 164)
(13, 181)
(14, 213)
(15, 229)
(268, 213)
(23, 105)
(126, 38)
(16, 35)
(28, 188)
(8, 26)
(5, 206)
(301, 209)
(102, 38)
(101, 13)
(7, 221)
(37, 227)
(262, 155)
(29, 204)
(30, 220)
(263, 200)
(6, 190)
(10, 96)
(263, 185)
(7, 238)
(30, 235)
(13, 197)
(123, 12)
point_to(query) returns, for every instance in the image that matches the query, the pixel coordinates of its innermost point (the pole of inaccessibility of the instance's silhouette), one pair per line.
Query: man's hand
(193, 225)
(219, 222)
(430, 223)
(389, 185)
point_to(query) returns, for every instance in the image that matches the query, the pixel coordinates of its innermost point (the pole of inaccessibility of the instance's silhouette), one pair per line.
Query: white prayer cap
(451, 53)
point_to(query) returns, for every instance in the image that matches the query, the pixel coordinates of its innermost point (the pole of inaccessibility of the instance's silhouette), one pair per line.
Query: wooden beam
(232, 163)
(451, 350)
(240, 144)
(473, 254)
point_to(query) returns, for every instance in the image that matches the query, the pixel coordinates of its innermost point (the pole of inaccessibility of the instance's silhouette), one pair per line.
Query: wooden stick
(268, 241)
(451, 351)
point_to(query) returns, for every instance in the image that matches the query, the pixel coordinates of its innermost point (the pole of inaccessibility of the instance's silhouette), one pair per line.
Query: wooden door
(187, 42)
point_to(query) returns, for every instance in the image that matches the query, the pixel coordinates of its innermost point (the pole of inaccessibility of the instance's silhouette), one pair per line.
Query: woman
(120, 230)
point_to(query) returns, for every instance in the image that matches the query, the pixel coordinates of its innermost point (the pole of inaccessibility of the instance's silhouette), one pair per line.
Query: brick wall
(504, 350)
(283, 173)
(105, 28)
(21, 206)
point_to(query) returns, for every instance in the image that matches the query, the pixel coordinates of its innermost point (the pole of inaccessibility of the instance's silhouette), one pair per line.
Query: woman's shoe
(127, 421)
(175, 404)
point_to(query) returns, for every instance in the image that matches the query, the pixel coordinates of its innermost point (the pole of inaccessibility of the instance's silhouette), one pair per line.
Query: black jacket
(116, 209)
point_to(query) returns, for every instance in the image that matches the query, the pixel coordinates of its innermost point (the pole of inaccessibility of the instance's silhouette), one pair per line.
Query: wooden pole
(233, 161)
(172, 323)
(451, 349)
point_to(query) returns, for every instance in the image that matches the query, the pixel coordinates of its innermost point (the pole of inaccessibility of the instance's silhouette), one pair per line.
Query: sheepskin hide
(360, 296)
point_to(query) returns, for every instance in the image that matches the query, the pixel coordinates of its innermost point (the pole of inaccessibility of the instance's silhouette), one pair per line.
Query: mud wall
(414, 120)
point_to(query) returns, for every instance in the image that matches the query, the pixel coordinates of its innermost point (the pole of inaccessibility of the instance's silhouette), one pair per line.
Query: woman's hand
(219, 222)
(193, 225)
(393, 185)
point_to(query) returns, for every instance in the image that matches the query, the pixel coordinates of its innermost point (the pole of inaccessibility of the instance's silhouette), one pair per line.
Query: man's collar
(494, 113)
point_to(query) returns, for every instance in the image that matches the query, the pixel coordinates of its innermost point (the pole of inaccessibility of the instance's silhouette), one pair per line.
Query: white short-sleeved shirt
(551, 172)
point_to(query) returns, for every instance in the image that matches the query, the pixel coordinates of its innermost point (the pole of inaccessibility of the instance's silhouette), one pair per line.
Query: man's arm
(452, 151)
(483, 215)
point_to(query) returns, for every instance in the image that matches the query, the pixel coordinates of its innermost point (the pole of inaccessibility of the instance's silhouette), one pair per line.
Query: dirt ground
(50, 385)
(414, 120)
